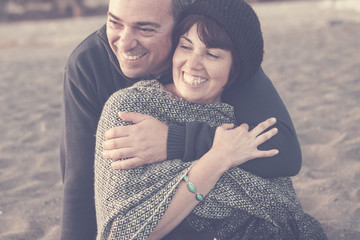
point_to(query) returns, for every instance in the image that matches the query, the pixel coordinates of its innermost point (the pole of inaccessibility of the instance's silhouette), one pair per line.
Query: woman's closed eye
(186, 47)
(212, 55)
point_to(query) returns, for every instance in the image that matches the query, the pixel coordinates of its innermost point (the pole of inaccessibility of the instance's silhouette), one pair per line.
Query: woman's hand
(239, 145)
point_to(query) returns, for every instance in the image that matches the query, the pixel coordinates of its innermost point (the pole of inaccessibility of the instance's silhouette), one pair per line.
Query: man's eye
(113, 22)
(148, 30)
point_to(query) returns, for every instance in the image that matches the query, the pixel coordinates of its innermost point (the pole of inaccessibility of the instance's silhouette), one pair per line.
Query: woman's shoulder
(155, 84)
(138, 94)
(152, 94)
(143, 86)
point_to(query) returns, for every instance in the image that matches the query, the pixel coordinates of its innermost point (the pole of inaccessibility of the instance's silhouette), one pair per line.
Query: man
(134, 45)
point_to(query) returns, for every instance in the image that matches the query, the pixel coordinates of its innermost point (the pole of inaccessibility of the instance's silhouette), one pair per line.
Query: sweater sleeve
(80, 114)
(254, 102)
(189, 142)
(77, 145)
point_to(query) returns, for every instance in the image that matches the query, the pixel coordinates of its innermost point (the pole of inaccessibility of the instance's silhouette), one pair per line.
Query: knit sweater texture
(130, 203)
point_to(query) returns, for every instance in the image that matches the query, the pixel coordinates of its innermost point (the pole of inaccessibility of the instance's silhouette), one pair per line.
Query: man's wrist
(176, 142)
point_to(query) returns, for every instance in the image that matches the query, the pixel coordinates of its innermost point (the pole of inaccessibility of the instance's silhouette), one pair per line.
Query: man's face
(139, 33)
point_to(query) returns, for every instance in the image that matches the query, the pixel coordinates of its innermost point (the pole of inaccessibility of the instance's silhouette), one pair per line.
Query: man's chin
(132, 72)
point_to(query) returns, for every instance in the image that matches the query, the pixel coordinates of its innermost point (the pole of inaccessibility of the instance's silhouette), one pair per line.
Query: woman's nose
(194, 61)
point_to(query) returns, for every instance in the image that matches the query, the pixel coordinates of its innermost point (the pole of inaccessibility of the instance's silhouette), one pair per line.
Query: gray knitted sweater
(130, 203)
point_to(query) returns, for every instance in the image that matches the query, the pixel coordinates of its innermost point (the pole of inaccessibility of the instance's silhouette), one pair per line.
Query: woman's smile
(193, 80)
(200, 72)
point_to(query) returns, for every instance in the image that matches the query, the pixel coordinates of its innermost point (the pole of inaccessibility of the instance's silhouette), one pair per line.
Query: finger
(132, 117)
(128, 163)
(243, 126)
(118, 153)
(117, 132)
(115, 143)
(227, 126)
(266, 136)
(266, 153)
(261, 127)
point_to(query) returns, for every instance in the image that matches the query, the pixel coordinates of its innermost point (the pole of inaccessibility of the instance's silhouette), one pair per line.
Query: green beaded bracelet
(192, 189)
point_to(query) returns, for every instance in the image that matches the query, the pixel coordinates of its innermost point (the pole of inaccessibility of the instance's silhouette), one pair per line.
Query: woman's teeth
(194, 80)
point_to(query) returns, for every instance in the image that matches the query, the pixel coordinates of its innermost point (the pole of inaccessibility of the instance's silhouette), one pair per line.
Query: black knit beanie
(241, 24)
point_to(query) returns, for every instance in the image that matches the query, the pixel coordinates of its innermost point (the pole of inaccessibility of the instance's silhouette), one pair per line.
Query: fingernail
(276, 151)
(275, 130)
(273, 120)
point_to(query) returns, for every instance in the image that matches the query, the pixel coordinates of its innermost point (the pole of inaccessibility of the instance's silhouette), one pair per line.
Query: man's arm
(258, 100)
(254, 102)
(77, 144)
(82, 105)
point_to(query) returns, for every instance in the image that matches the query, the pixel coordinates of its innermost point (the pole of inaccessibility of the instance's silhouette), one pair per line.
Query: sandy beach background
(311, 53)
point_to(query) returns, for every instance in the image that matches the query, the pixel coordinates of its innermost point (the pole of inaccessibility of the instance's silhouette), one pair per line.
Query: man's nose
(128, 39)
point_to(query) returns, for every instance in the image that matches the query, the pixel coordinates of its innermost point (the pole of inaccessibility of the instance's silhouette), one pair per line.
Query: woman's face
(200, 73)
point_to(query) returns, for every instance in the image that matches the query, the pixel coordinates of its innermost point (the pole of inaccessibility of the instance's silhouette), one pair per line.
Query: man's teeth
(134, 57)
(194, 80)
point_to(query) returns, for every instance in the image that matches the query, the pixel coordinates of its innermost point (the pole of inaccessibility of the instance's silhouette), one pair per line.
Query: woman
(207, 198)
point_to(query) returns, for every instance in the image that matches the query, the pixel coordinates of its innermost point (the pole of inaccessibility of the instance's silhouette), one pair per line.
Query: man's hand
(144, 142)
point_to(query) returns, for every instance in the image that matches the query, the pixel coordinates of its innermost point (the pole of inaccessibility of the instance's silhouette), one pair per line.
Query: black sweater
(92, 74)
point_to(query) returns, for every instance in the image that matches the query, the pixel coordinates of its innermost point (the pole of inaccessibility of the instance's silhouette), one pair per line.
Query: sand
(311, 54)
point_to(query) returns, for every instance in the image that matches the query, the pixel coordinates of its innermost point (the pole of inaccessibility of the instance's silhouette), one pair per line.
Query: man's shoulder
(89, 60)
(89, 46)
(93, 49)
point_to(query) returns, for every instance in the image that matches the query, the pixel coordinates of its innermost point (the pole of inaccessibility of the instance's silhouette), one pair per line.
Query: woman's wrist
(214, 159)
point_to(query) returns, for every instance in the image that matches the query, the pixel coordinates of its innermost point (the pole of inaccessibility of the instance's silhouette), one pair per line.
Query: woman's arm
(253, 102)
(231, 147)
